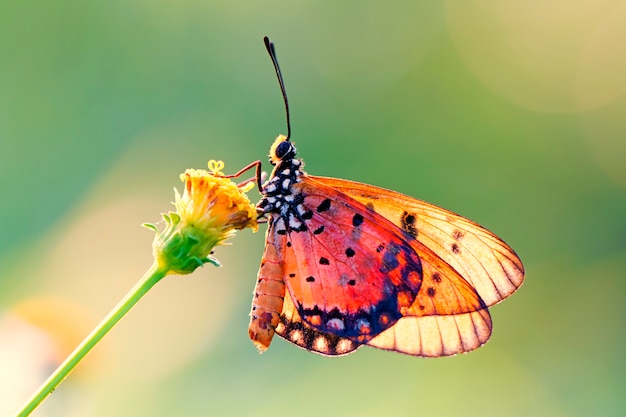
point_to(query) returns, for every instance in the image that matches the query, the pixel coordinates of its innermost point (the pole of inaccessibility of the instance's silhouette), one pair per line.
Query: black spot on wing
(455, 248)
(408, 224)
(324, 261)
(357, 220)
(318, 230)
(350, 252)
(324, 205)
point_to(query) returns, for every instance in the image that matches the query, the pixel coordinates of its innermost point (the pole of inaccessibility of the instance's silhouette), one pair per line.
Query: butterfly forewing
(443, 291)
(479, 256)
(350, 273)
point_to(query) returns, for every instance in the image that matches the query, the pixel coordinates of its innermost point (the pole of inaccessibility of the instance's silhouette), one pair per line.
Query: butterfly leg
(257, 177)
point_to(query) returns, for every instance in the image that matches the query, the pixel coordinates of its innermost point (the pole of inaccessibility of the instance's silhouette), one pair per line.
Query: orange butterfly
(348, 264)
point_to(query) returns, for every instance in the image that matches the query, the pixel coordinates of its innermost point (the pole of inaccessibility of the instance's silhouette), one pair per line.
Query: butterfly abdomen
(267, 303)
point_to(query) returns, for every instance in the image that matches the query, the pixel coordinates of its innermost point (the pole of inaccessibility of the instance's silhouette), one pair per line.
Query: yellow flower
(211, 209)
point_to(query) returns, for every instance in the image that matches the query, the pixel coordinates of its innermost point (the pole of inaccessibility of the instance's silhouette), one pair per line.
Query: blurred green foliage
(500, 115)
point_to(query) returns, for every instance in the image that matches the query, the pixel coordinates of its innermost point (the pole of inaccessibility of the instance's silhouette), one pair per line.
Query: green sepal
(150, 226)
(213, 261)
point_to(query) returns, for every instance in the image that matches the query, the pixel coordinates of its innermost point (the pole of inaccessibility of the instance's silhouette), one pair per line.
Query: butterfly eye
(285, 150)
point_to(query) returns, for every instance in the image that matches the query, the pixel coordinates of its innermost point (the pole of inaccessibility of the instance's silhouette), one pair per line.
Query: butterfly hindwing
(435, 336)
(479, 256)
(294, 330)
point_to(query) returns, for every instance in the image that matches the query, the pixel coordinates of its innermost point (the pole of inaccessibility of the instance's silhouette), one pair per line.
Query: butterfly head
(282, 150)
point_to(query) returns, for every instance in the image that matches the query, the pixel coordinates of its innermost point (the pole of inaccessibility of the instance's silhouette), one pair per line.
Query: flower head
(211, 209)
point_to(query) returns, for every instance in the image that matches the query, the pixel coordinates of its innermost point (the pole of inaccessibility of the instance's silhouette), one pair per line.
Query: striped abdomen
(267, 303)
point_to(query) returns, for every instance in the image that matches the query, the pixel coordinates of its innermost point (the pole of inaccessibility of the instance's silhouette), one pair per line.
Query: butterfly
(348, 264)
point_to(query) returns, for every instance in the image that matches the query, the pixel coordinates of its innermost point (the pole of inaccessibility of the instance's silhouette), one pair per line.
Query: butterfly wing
(294, 330)
(435, 336)
(353, 274)
(348, 271)
(447, 317)
(479, 256)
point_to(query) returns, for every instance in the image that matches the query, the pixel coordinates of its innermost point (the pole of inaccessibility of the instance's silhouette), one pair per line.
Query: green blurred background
(510, 113)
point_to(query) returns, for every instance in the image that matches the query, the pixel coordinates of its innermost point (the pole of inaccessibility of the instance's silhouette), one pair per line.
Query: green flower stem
(151, 277)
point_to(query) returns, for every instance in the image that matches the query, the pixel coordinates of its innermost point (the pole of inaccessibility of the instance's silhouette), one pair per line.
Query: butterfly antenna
(272, 51)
